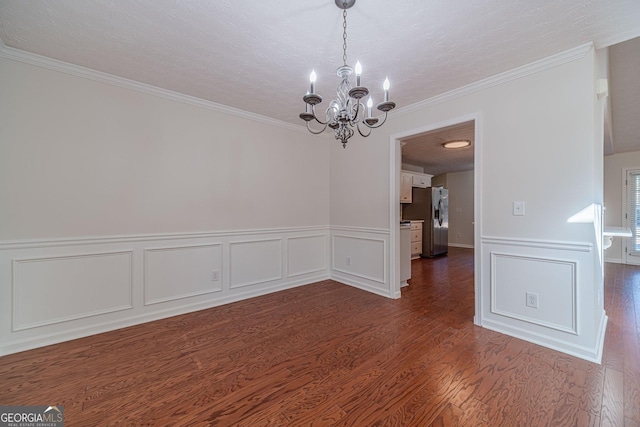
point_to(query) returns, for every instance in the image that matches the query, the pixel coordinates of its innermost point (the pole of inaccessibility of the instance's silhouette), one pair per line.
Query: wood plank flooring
(327, 354)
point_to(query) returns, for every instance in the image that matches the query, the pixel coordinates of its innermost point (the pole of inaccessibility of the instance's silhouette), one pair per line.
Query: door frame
(395, 152)
(624, 241)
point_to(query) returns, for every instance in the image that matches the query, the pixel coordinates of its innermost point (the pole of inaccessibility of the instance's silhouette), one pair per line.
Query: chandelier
(346, 112)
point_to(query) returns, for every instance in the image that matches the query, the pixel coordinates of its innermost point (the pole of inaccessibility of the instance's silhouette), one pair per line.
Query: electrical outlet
(348, 260)
(215, 275)
(518, 208)
(532, 300)
(459, 235)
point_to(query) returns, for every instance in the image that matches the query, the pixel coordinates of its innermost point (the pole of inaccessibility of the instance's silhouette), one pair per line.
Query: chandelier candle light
(346, 112)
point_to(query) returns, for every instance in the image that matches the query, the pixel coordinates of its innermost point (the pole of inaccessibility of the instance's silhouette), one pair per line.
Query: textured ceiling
(426, 150)
(257, 55)
(624, 89)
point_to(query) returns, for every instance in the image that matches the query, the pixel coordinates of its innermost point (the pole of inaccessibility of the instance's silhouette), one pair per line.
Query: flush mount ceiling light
(459, 143)
(346, 112)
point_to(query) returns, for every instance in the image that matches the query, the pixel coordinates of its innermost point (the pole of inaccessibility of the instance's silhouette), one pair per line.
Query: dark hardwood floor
(328, 354)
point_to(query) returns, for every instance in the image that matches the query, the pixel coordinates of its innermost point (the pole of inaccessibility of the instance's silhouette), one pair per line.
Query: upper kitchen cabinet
(406, 183)
(421, 180)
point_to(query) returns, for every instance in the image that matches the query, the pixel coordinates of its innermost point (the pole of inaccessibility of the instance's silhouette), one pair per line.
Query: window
(633, 215)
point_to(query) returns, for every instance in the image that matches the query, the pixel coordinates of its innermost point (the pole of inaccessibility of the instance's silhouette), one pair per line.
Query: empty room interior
(329, 212)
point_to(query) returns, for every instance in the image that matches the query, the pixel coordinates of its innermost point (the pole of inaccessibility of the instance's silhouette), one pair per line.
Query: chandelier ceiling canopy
(346, 112)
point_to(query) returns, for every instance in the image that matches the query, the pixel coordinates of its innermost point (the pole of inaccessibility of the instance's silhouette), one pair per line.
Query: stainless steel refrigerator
(432, 205)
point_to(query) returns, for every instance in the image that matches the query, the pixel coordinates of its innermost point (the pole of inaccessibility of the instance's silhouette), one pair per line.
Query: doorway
(421, 151)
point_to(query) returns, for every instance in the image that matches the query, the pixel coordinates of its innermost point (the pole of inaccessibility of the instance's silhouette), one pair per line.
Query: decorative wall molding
(498, 79)
(564, 291)
(98, 76)
(252, 262)
(383, 231)
(357, 269)
(562, 275)
(188, 272)
(100, 240)
(313, 259)
(534, 243)
(54, 289)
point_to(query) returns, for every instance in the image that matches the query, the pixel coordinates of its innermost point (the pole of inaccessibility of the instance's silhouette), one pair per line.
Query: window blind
(633, 211)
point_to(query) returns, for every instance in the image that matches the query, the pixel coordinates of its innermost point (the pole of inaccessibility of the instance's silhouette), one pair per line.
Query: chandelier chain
(344, 36)
(347, 112)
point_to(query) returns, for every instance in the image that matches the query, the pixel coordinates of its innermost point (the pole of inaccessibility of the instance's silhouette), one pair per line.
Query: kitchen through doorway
(438, 192)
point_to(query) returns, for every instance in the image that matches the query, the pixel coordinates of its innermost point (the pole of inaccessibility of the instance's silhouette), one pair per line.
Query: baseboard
(591, 354)
(345, 279)
(461, 245)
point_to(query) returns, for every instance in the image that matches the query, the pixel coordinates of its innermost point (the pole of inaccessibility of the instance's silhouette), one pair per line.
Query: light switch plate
(518, 208)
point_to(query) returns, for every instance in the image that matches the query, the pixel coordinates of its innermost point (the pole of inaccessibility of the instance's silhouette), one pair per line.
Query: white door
(632, 215)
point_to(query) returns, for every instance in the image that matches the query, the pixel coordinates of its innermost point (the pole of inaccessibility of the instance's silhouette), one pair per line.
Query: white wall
(119, 204)
(174, 206)
(531, 124)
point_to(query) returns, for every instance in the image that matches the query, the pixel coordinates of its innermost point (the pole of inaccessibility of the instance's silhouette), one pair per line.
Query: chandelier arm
(356, 111)
(319, 121)
(313, 111)
(316, 132)
(360, 131)
(377, 125)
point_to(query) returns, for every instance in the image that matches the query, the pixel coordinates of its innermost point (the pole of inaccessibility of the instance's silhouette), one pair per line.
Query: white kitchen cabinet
(421, 180)
(416, 239)
(406, 183)
(405, 254)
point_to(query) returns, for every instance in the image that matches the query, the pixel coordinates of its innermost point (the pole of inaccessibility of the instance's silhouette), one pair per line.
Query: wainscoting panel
(255, 261)
(62, 288)
(55, 290)
(553, 282)
(560, 275)
(359, 257)
(180, 272)
(306, 254)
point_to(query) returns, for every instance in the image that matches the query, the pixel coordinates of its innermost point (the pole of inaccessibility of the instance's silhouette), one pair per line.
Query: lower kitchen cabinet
(416, 239)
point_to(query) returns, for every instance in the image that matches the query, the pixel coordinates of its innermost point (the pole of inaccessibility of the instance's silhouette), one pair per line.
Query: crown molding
(498, 79)
(98, 76)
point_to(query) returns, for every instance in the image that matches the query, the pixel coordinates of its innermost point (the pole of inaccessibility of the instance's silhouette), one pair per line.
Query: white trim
(16, 326)
(351, 273)
(99, 76)
(534, 243)
(345, 279)
(460, 245)
(279, 275)
(498, 79)
(574, 329)
(361, 229)
(288, 259)
(49, 338)
(95, 240)
(145, 274)
(582, 352)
